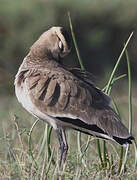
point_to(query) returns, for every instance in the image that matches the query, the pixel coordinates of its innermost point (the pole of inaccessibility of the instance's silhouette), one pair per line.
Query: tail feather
(119, 140)
(93, 130)
(122, 141)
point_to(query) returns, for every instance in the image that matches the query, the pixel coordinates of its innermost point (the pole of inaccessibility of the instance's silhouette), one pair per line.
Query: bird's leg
(63, 146)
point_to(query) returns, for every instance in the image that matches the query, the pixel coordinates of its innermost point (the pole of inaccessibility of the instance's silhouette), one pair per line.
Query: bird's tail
(107, 126)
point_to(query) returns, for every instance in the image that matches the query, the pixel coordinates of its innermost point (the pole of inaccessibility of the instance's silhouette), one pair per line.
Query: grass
(29, 147)
(16, 162)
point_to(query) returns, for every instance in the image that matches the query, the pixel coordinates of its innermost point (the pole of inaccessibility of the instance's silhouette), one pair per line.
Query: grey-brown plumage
(63, 97)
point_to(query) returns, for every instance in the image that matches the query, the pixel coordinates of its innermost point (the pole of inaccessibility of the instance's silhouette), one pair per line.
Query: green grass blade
(115, 107)
(49, 130)
(109, 85)
(86, 146)
(75, 43)
(42, 146)
(49, 164)
(121, 160)
(84, 151)
(121, 148)
(104, 153)
(129, 108)
(79, 143)
(124, 160)
(117, 63)
(135, 148)
(129, 92)
(99, 152)
(130, 112)
(82, 67)
(117, 111)
(114, 80)
(29, 143)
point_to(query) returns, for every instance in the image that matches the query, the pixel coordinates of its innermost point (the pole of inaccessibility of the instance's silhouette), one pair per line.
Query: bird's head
(54, 43)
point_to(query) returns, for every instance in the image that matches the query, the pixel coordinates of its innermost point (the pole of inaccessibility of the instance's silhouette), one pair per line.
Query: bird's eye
(61, 46)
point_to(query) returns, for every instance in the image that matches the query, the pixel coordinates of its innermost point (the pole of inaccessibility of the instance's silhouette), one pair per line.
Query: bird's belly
(24, 98)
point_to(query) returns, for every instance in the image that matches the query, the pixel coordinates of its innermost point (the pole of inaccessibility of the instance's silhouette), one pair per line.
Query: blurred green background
(101, 28)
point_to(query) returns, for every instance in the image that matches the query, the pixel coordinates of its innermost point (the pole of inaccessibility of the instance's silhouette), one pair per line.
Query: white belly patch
(24, 98)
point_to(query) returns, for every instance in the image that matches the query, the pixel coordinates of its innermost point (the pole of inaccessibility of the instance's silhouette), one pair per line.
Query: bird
(65, 98)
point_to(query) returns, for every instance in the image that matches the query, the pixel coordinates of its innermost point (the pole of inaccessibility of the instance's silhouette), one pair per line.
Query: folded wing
(76, 104)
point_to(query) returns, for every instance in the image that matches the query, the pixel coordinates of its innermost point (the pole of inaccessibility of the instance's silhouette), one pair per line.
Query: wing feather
(50, 91)
(60, 93)
(64, 95)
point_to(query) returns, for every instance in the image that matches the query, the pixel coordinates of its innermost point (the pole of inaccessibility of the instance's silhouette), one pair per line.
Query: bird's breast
(24, 98)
